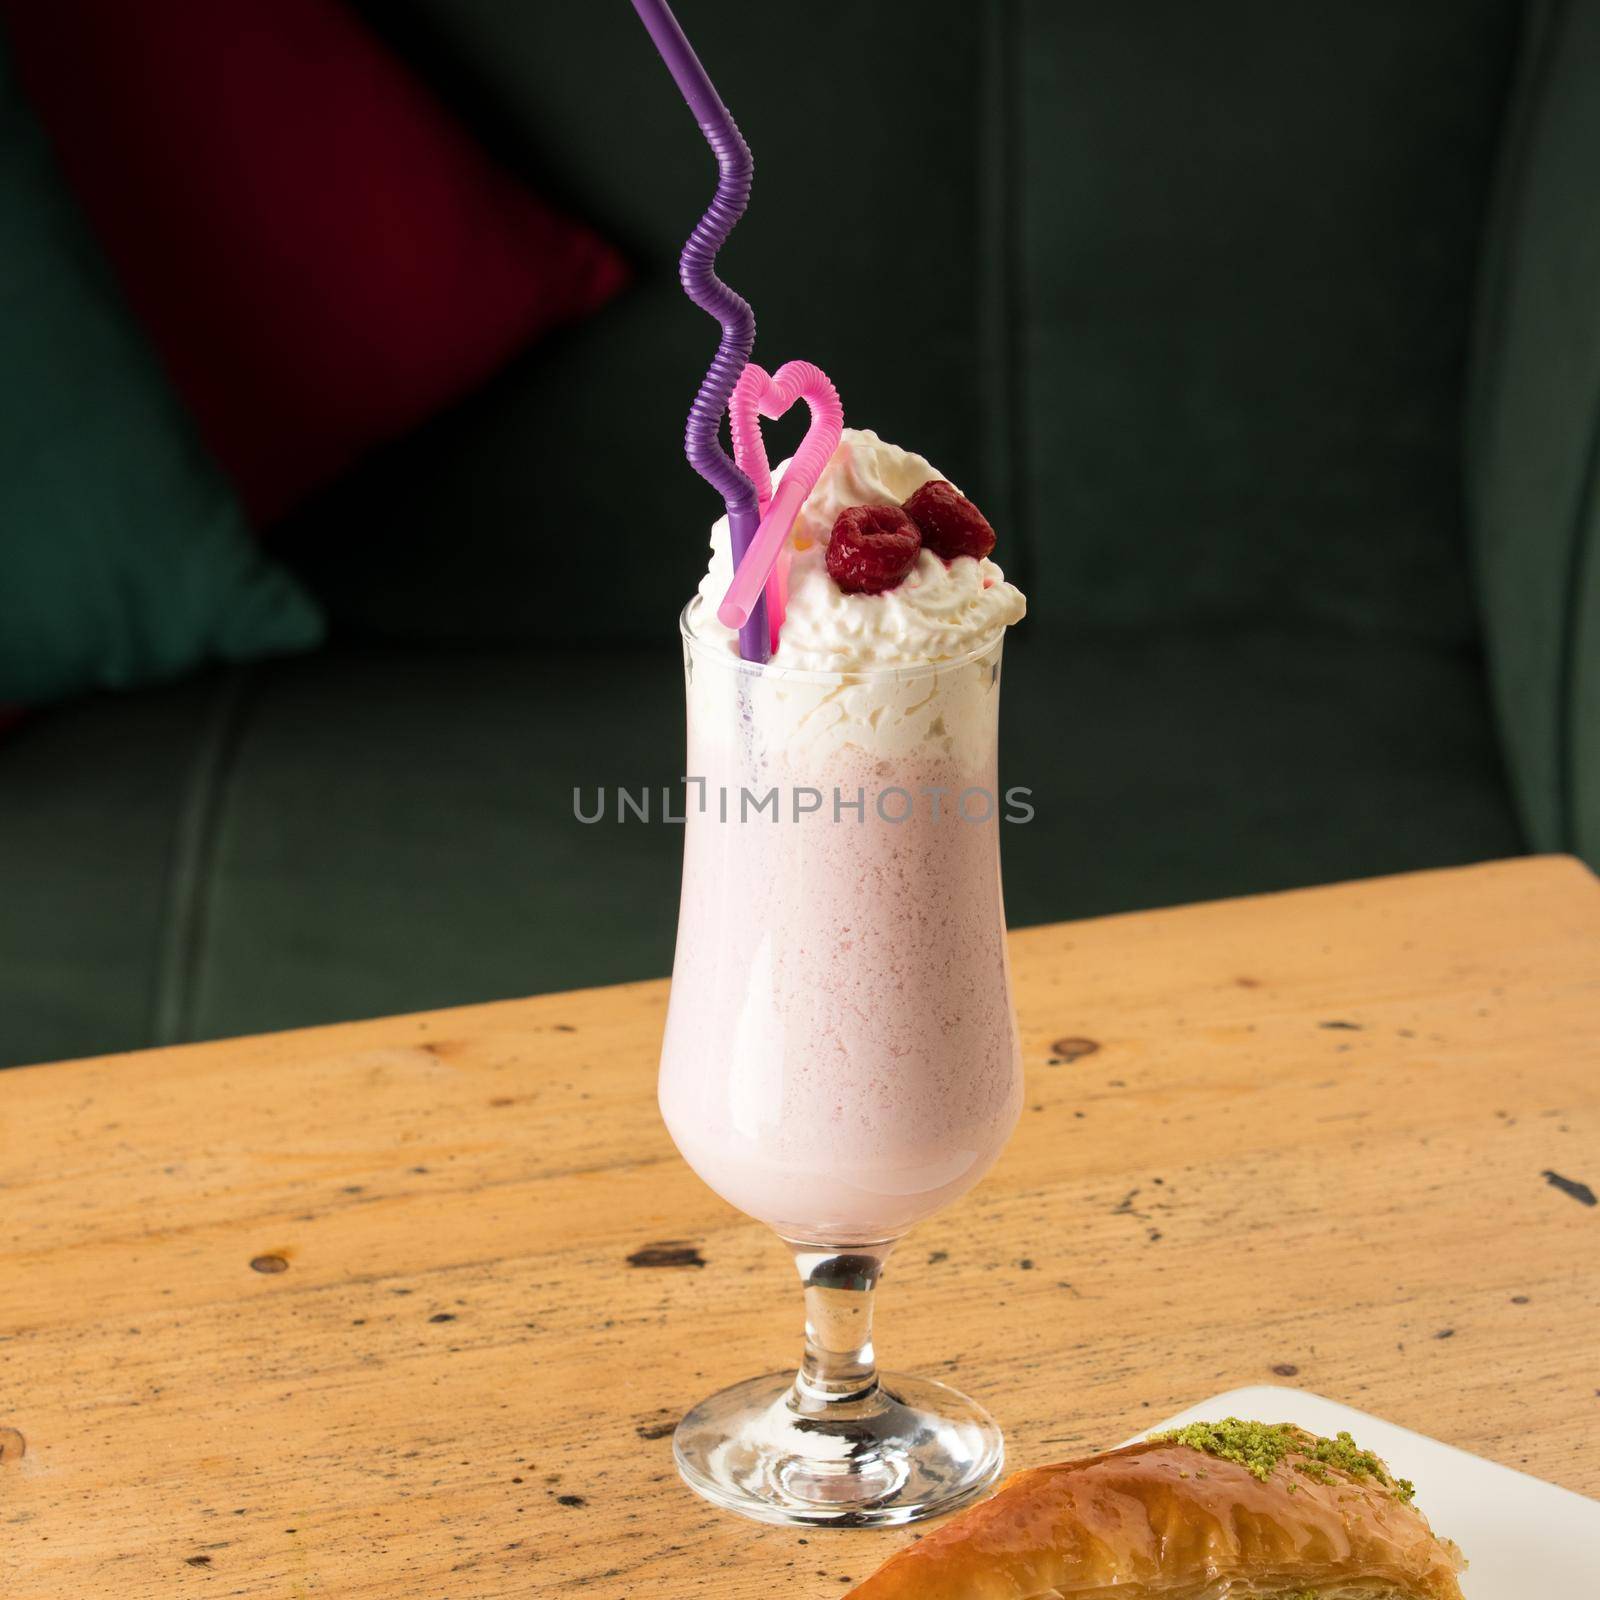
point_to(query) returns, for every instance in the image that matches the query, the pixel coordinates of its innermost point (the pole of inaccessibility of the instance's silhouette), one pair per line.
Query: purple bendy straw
(696, 271)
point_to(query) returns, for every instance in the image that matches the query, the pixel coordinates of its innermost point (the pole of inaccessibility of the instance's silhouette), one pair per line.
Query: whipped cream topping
(937, 612)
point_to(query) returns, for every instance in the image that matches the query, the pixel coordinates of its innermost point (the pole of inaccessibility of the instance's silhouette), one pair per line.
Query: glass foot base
(911, 1448)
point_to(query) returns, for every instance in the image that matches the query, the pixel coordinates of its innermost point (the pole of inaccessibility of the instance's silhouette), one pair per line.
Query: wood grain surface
(408, 1308)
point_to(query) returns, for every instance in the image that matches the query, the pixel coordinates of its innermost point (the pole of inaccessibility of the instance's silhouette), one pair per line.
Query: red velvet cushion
(321, 254)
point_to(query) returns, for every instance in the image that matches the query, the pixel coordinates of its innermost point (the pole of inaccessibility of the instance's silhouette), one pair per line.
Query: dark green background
(1191, 299)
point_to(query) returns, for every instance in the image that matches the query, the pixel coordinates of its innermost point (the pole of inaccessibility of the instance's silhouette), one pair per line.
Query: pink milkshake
(841, 1058)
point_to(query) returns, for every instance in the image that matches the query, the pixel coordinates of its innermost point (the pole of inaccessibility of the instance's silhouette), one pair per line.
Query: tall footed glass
(841, 1056)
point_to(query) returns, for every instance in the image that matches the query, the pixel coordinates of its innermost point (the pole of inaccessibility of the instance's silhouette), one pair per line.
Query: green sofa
(1192, 300)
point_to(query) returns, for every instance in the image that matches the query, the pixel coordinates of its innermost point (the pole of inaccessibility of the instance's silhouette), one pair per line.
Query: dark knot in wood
(666, 1254)
(1069, 1050)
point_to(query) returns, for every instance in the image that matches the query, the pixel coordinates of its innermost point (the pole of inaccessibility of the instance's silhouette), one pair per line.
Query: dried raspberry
(950, 524)
(872, 548)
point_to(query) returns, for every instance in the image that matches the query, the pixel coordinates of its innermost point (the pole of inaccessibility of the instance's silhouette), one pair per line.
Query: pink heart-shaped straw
(771, 396)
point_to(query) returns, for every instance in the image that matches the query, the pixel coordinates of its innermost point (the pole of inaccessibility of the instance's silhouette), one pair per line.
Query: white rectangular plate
(1525, 1539)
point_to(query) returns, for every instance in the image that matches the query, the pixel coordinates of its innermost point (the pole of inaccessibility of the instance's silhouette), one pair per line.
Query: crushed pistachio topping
(1259, 1447)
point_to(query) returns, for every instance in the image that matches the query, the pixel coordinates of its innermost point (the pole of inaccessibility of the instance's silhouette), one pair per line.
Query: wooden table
(408, 1308)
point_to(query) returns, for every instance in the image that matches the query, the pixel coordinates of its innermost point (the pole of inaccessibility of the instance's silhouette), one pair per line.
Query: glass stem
(839, 1366)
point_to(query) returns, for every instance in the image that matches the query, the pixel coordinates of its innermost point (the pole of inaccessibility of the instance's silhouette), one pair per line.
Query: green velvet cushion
(123, 556)
(369, 831)
(1249, 239)
(95, 801)
(1534, 437)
